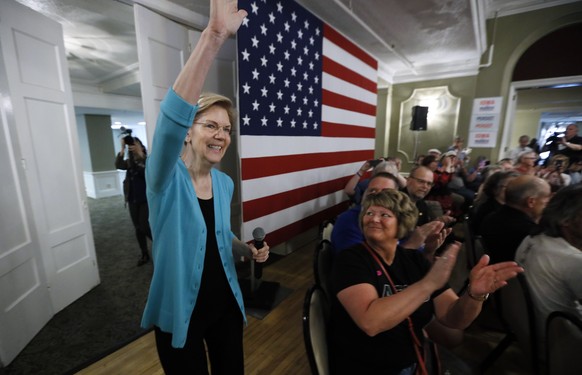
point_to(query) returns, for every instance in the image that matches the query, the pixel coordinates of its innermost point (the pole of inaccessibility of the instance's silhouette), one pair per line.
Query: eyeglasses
(421, 181)
(383, 215)
(213, 128)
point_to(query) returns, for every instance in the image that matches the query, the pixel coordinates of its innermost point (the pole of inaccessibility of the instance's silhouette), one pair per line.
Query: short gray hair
(523, 187)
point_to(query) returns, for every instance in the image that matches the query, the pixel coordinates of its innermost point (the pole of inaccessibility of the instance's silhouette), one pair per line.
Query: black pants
(139, 216)
(223, 336)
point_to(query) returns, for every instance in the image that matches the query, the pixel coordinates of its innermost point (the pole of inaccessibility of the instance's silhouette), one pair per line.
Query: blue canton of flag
(280, 68)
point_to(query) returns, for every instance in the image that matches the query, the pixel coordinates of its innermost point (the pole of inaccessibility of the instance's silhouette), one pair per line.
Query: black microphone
(258, 236)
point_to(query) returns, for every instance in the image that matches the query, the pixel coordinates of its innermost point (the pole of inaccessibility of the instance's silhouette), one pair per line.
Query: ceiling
(413, 40)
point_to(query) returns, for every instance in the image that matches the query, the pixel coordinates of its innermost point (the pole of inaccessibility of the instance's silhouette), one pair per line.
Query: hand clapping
(487, 278)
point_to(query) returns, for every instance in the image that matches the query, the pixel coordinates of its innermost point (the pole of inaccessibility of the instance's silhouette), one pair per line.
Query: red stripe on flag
(331, 129)
(255, 208)
(274, 165)
(340, 71)
(344, 102)
(289, 231)
(348, 46)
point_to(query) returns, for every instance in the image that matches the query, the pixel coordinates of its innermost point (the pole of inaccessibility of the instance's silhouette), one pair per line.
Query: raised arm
(225, 19)
(350, 187)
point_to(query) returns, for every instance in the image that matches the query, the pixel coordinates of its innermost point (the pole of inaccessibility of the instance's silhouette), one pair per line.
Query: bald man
(526, 197)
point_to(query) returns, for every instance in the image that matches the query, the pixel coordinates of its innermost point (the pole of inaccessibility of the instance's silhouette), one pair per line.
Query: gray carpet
(106, 316)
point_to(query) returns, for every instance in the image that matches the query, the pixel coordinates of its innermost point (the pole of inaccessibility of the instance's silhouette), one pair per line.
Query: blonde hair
(209, 99)
(397, 202)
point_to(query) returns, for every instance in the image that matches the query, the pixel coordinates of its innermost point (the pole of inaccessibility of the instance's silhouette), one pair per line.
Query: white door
(47, 254)
(163, 48)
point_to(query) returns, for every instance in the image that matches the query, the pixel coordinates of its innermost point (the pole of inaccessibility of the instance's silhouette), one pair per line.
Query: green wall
(513, 35)
(463, 88)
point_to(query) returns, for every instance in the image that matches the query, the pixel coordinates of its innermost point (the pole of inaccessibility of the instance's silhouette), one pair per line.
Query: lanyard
(415, 341)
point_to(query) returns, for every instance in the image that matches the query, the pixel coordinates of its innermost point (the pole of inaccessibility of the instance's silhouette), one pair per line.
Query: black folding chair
(563, 343)
(517, 312)
(322, 263)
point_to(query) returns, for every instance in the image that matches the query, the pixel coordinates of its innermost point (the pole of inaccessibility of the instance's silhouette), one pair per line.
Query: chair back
(518, 314)
(564, 343)
(478, 249)
(434, 208)
(315, 322)
(322, 263)
(469, 243)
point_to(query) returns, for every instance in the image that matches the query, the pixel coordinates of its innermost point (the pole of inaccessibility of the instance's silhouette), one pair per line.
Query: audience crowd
(525, 208)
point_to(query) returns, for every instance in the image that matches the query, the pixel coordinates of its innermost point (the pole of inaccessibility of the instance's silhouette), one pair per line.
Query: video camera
(552, 142)
(126, 134)
(555, 137)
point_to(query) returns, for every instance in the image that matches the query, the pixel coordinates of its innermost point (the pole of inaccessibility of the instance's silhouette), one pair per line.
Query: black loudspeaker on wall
(418, 121)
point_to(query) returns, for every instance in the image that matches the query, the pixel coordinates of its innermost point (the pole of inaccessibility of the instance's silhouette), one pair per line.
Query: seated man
(552, 258)
(418, 185)
(491, 199)
(503, 230)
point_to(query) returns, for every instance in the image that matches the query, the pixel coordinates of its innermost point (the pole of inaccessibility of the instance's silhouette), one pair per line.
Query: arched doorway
(546, 85)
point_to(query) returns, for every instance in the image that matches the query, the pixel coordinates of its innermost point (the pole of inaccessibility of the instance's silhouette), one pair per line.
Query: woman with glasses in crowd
(384, 295)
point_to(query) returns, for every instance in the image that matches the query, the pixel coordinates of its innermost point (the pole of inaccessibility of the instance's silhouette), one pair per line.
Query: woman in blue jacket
(195, 299)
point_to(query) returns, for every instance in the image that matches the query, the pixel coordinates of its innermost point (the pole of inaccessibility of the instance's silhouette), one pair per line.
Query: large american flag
(307, 99)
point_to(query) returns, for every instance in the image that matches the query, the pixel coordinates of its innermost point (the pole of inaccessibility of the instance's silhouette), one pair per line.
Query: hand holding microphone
(260, 250)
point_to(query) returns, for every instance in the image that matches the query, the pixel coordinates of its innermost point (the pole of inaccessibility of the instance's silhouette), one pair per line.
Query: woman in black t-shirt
(378, 286)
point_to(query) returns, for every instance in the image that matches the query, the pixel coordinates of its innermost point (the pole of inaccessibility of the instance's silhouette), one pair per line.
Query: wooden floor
(273, 345)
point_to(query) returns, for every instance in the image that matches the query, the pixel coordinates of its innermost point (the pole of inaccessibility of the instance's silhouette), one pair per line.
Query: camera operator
(134, 189)
(571, 144)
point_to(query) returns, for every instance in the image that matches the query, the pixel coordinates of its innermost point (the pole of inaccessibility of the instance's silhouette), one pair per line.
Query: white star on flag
(297, 156)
